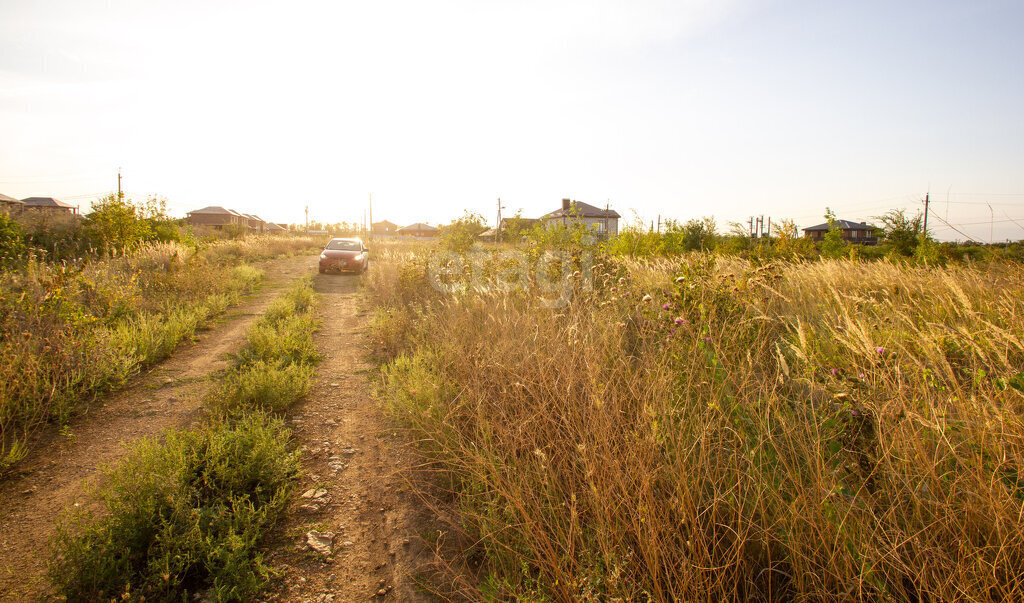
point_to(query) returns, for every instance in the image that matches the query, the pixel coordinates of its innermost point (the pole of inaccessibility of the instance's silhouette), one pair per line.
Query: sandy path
(60, 469)
(353, 459)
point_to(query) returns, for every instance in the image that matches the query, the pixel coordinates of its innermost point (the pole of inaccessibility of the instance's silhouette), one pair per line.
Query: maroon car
(345, 255)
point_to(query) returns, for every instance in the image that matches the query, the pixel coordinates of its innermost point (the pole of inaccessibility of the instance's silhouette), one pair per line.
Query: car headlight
(323, 256)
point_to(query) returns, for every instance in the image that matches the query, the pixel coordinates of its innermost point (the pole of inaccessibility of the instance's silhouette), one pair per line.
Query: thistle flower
(880, 350)
(680, 320)
(665, 306)
(835, 372)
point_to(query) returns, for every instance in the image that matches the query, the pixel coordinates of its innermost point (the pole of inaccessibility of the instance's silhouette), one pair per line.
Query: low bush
(181, 514)
(274, 368)
(265, 386)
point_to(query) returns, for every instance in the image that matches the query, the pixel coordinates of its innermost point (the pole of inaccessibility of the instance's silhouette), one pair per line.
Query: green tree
(699, 235)
(788, 243)
(117, 224)
(461, 234)
(901, 231)
(833, 245)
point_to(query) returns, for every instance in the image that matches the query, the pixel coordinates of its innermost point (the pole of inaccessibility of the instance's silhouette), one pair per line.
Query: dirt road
(351, 488)
(61, 468)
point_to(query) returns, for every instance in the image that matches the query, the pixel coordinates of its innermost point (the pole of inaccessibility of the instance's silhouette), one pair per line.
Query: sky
(678, 109)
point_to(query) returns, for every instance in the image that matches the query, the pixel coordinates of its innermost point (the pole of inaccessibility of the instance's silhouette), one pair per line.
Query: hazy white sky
(683, 108)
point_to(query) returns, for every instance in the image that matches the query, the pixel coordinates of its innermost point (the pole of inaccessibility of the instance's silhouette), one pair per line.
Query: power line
(982, 223)
(969, 237)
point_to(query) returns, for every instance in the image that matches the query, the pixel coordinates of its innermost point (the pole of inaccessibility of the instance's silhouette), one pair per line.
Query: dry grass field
(704, 427)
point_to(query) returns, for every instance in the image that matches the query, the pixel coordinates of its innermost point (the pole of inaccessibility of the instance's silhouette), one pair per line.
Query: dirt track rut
(352, 465)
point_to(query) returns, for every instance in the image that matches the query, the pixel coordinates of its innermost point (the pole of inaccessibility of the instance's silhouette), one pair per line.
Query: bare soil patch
(367, 524)
(63, 467)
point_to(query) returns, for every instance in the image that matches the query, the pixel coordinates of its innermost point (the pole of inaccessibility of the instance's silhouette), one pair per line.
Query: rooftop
(580, 209)
(45, 202)
(842, 224)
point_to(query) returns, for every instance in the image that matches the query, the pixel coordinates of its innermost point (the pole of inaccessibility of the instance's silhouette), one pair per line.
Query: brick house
(852, 232)
(216, 217)
(604, 222)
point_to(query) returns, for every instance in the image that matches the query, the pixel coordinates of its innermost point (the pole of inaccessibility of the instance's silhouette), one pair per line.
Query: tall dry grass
(69, 331)
(809, 430)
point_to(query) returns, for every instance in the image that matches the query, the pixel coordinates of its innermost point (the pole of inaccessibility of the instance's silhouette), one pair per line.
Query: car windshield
(343, 245)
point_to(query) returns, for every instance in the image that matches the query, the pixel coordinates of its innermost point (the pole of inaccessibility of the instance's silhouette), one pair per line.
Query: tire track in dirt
(61, 469)
(351, 485)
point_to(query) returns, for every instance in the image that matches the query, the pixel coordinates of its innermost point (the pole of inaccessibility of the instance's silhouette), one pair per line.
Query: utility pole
(370, 235)
(307, 218)
(659, 223)
(991, 224)
(607, 205)
(769, 235)
(120, 195)
(497, 237)
(750, 224)
(926, 214)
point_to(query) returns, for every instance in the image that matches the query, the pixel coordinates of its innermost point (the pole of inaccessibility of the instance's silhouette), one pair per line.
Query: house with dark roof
(852, 232)
(48, 204)
(273, 228)
(604, 222)
(419, 229)
(383, 228)
(216, 217)
(10, 205)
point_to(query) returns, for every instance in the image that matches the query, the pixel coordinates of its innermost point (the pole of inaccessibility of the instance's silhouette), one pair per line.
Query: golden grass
(792, 430)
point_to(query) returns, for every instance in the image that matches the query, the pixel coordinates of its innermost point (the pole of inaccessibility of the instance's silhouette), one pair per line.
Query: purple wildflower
(666, 306)
(707, 339)
(679, 320)
(835, 372)
(860, 376)
(880, 350)
(854, 413)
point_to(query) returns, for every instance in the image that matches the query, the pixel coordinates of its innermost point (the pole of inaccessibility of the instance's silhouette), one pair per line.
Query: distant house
(488, 235)
(10, 205)
(419, 229)
(255, 223)
(273, 228)
(384, 228)
(604, 222)
(48, 204)
(852, 232)
(217, 217)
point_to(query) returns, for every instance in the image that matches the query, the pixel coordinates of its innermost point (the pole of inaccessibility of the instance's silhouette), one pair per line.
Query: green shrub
(265, 386)
(12, 243)
(180, 515)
